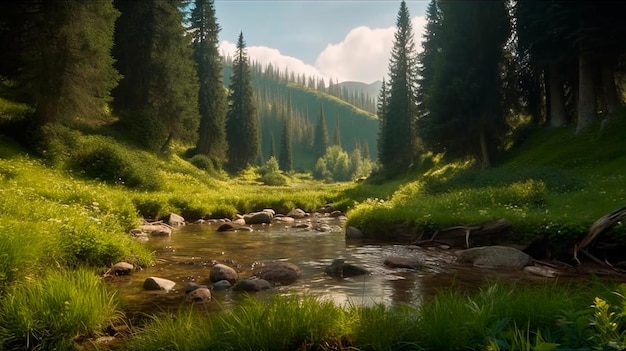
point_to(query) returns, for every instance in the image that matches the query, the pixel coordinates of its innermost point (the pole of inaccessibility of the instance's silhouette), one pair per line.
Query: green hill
(278, 98)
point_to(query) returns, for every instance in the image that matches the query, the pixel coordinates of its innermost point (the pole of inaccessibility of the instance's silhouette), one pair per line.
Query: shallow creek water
(187, 256)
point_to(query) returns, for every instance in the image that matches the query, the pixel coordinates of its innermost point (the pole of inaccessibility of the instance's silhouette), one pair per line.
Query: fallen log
(598, 228)
(460, 236)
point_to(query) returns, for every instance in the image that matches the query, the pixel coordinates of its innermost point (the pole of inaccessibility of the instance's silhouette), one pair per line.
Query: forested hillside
(279, 98)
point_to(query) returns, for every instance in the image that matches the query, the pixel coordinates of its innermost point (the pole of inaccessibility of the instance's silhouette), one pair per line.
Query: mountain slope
(278, 98)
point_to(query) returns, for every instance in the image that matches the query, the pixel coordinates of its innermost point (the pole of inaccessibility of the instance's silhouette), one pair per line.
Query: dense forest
(152, 71)
(487, 68)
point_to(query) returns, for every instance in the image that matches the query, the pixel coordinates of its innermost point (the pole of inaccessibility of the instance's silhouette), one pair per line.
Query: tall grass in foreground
(500, 317)
(283, 323)
(51, 313)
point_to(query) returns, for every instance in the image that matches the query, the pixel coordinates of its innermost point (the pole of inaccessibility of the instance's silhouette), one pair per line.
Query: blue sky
(340, 40)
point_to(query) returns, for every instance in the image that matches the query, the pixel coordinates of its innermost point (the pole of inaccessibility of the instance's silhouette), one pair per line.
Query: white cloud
(362, 56)
(265, 55)
(364, 53)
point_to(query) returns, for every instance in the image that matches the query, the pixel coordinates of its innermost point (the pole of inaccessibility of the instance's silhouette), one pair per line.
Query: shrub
(101, 158)
(189, 209)
(148, 208)
(202, 162)
(270, 173)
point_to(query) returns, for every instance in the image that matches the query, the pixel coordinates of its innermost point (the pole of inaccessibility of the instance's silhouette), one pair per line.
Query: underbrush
(498, 317)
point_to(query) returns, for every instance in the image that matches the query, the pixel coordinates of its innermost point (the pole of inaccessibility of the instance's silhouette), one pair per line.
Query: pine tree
(59, 53)
(381, 112)
(285, 159)
(430, 54)
(242, 127)
(211, 96)
(465, 114)
(320, 142)
(398, 142)
(157, 99)
(272, 146)
(337, 134)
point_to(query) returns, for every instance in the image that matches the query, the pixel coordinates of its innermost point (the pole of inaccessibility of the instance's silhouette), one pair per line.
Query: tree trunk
(484, 149)
(609, 88)
(586, 93)
(558, 116)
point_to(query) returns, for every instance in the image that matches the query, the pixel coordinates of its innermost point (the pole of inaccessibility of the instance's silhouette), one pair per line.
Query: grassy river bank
(60, 228)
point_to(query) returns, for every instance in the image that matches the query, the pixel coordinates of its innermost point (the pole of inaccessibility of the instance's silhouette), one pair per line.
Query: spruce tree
(285, 159)
(320, 142)
(157, 100)
(381, 112)
(272, 146)
(59, 54)
(337, 134)
(211, 96)
(398, 142)
(465, 114)
(242, 127)
(430, 54)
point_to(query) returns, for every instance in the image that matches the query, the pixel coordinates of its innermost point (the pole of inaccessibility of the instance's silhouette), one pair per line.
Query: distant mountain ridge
(371, 89)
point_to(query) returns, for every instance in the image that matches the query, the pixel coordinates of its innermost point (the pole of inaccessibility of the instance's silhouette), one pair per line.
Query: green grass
(499, 317)
(282, 323)
(52, 312)
(556, 185)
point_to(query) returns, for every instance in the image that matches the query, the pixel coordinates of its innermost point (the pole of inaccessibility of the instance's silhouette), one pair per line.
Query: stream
(188, 255)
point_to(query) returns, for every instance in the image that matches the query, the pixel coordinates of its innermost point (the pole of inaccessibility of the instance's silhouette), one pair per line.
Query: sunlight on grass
(49, 313)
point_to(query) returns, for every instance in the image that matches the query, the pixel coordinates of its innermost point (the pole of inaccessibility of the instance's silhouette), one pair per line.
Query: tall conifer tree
(211, 96)
(320, 142)
(242, 127)
(381, 112)
(430, 54)
(59, 53)
(465, 111)
(158, 97)
(285, 159)
(337, 134)
(398, 142)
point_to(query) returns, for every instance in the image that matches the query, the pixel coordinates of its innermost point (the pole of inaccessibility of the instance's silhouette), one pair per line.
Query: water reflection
(191, 251)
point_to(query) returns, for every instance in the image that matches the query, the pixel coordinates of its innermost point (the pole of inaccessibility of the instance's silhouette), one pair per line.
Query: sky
(347, 40)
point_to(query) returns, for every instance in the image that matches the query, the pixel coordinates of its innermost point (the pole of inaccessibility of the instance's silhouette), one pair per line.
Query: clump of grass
(16, 259)
(282, 323)
(381, 327)
(50, 313)
(187, 330)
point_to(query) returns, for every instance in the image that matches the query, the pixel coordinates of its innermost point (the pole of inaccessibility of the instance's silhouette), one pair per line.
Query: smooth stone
(155, 283)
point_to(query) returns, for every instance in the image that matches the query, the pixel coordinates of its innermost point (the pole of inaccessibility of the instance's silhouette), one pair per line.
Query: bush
(337, 165)
(270, 173)
(189, 209)
(202, 162)
(148, 208)
(101, 158)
